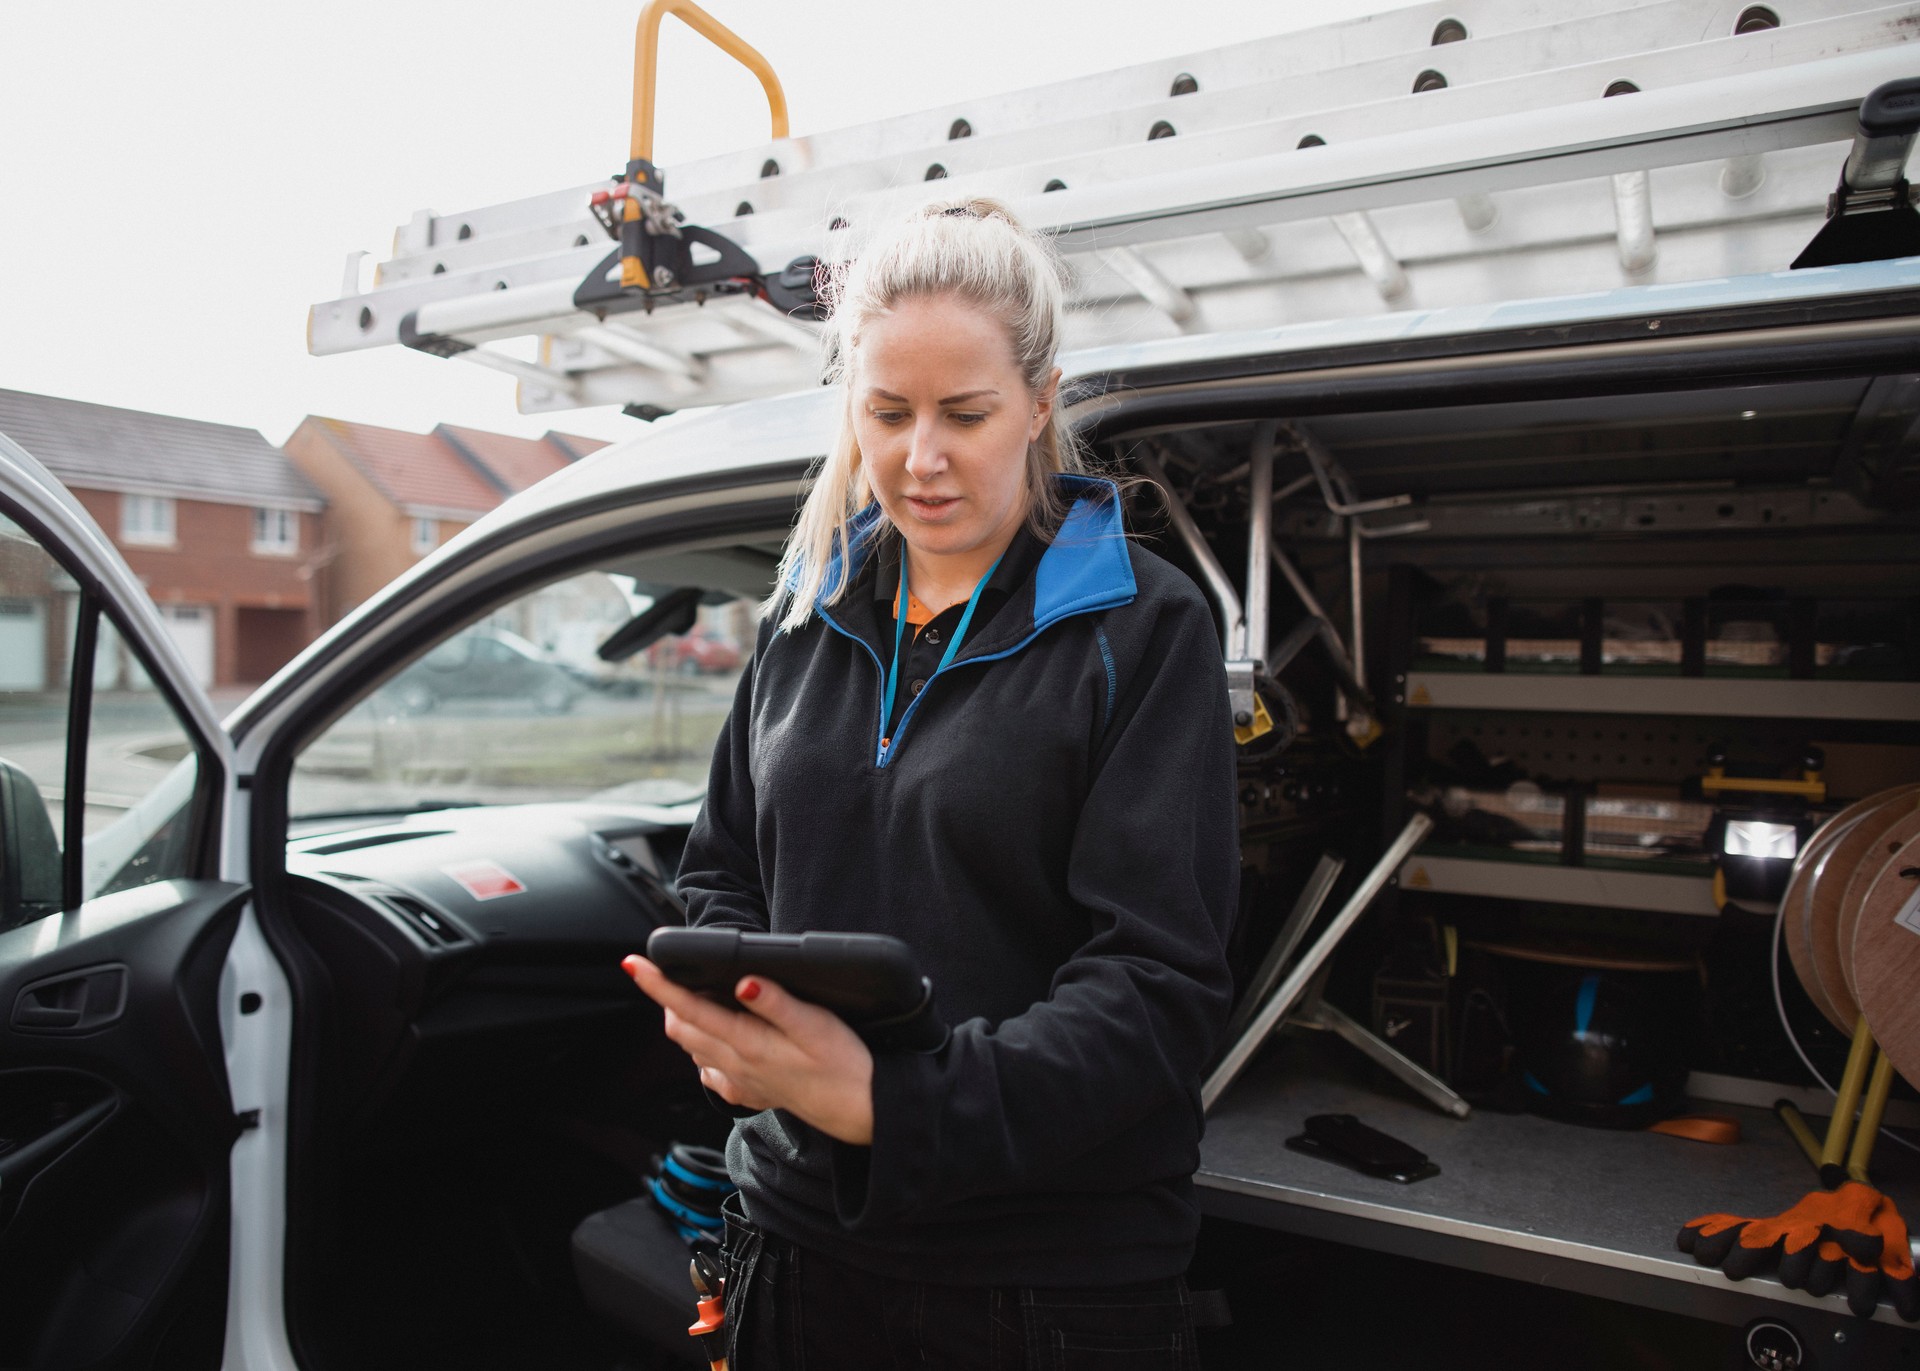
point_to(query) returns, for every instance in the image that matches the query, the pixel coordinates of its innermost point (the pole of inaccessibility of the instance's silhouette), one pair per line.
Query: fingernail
(749, 989)
(630, 964)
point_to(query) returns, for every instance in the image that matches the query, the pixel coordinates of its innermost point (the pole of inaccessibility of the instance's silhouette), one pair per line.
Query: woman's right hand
(780, 1053)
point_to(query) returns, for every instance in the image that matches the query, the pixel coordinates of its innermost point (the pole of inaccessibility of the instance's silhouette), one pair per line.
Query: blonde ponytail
(974, 249)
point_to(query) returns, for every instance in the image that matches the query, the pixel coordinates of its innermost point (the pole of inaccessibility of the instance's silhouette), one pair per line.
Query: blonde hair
(974, 249)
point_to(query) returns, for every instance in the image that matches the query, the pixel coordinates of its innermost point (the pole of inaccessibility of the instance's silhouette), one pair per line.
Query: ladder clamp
(655, 261)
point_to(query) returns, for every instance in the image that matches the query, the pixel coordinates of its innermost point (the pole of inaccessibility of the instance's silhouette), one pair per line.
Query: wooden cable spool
(1825, 897)
(1889, 844)
(1885, 959)
(1847, 926)
(1794, 905)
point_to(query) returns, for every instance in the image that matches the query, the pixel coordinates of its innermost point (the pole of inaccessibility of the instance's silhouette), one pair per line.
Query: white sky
(180, 181)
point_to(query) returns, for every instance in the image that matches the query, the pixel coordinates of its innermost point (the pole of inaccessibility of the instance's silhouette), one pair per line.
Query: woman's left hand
(780, 1053)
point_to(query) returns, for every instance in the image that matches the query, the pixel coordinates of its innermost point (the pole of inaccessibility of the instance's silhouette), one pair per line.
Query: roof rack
(1441, 155)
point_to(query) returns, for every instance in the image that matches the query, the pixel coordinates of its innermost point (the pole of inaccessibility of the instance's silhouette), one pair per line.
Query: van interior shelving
(1589, 596)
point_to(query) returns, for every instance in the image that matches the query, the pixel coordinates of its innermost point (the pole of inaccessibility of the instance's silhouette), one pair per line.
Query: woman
(980, 719)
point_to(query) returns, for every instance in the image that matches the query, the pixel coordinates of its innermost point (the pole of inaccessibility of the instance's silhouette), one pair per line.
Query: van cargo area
(1571, 602)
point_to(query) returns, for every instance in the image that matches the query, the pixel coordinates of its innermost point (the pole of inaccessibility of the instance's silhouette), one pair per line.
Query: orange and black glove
(1896, 1272)
(1853, 1234)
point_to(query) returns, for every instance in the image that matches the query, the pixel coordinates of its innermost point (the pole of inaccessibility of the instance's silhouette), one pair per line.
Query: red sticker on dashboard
(485, 880)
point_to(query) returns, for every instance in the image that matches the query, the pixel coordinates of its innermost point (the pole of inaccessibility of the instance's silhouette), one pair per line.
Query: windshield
(521, 706)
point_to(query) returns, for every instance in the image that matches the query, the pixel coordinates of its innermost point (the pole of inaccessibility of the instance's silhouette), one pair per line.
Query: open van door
(120, 900)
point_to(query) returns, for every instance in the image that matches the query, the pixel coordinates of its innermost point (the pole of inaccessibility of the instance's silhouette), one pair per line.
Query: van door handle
(77, 1002)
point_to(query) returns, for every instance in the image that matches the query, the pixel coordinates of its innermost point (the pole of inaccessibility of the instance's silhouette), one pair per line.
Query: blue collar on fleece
(1086, 567)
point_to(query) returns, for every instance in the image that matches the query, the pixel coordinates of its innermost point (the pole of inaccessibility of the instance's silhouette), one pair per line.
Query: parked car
(699, 651)
(486, 665)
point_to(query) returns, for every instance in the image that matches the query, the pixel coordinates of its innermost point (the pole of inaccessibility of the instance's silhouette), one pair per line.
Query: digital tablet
(870, 980)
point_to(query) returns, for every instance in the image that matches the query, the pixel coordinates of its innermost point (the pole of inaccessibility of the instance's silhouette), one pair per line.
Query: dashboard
(471, 958)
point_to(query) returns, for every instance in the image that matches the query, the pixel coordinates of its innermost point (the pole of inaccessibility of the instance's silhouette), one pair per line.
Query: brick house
(225, 534)
(394, 496)
(36, 614)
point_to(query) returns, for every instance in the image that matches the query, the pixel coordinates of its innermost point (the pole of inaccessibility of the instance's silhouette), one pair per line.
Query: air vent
(437, 928)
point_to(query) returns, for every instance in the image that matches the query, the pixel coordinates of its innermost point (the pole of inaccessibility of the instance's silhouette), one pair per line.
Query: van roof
(791, 429)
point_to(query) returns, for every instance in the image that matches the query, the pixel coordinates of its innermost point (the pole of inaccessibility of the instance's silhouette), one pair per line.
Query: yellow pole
(1870, 1113)
(1851, 1081)
(646, 50)
(1796, 1123)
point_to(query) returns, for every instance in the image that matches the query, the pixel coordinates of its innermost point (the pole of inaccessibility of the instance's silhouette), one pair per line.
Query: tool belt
(756, 1263)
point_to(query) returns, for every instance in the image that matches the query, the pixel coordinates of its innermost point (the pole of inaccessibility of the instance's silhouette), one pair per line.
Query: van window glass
(39, 604)
(519, 707)
(141, 770)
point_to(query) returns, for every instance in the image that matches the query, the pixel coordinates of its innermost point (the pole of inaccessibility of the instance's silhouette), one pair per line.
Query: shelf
(1600, 887)
(1580, 1208)
(1716, 697)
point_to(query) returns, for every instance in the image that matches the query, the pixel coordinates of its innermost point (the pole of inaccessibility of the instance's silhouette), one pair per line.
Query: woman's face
(944, 419)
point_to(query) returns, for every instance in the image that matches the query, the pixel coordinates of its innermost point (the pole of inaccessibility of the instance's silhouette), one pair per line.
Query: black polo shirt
(925, 647)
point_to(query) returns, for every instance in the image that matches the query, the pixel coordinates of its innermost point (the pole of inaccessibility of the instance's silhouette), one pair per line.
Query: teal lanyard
(900, 630)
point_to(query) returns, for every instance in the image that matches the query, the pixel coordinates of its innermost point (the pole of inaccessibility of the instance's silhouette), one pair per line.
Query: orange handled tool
(710, 1289)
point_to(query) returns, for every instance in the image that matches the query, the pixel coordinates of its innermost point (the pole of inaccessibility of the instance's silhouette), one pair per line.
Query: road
(133, 742)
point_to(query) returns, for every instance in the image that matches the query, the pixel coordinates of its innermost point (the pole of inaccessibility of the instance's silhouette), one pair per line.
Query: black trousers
(792, 1309)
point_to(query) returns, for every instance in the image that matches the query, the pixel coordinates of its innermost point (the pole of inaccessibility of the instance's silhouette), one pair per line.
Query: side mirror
(673, 612)
(29, 851)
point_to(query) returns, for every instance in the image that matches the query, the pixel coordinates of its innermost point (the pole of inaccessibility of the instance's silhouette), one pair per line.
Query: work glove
(1853, 1234)
(1895, 1272)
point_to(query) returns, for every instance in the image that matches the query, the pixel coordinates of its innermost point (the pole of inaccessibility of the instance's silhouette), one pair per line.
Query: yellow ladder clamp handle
(646, 52)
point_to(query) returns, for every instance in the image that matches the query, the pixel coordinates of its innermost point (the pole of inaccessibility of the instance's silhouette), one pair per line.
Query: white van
(317, 1050)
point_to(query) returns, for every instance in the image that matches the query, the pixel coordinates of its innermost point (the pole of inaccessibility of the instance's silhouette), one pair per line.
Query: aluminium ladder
(1447, 154)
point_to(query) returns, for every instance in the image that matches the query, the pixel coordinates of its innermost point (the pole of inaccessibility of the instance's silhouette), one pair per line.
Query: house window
(146, 519)
(426, 536)
(276, 530)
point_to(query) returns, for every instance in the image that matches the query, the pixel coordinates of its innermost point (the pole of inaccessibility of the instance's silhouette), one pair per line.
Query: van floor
(1297, 1303)
(464, 1267)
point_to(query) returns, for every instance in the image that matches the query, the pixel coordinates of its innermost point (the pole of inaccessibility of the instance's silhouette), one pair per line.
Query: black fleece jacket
(1052, 829)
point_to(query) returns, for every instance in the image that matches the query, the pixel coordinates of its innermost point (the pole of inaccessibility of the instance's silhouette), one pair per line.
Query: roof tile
(514, 463)
(100, 447)
(414, 470)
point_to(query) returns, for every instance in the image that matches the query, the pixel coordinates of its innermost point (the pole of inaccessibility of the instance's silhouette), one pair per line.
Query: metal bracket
(1336, 488)
(1430, 1087)
(436, 344)
(1870, 216)
(1243, 699)
(1219, 584)
(667, 270)
(1280, 1004)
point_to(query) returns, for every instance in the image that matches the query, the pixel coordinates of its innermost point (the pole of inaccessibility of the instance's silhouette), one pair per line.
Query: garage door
(23, 644)
(191, 628)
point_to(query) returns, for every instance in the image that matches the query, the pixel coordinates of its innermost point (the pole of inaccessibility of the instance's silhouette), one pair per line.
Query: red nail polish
(749, 989)
(630, 964)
